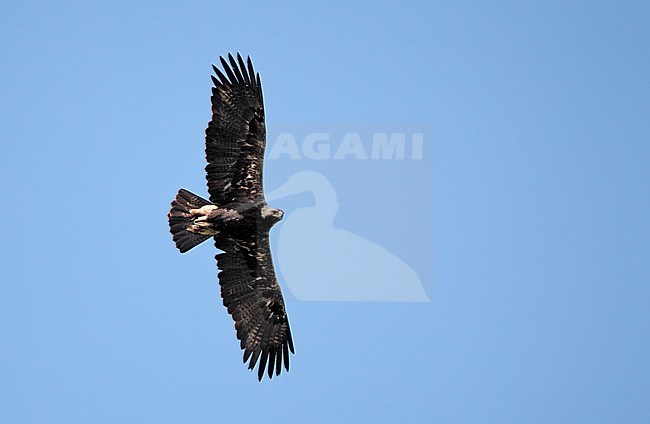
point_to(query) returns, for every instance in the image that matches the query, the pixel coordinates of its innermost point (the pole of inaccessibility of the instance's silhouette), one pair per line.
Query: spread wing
(236, 136)
(251, 293)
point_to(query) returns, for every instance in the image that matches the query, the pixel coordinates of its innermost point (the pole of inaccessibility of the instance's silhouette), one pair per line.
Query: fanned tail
(179, 218)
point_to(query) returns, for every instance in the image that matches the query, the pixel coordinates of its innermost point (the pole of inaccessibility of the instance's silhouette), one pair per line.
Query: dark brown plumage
(238, 217)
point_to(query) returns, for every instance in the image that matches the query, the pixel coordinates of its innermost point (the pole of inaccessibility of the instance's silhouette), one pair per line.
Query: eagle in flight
(238, 218)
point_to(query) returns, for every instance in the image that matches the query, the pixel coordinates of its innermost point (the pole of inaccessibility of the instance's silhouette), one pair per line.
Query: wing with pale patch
(236, 135)
(251, 293)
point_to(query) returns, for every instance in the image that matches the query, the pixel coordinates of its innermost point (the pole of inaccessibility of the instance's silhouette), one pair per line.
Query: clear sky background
(537, 266)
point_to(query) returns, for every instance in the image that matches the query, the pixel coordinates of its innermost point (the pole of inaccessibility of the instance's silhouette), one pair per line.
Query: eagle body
(238, 218)
(233, 220)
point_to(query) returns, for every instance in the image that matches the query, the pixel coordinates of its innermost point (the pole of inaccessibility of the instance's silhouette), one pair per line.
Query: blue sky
(526, 219)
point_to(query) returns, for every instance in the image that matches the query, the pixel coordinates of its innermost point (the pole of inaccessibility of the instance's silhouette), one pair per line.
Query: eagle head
(272, 214)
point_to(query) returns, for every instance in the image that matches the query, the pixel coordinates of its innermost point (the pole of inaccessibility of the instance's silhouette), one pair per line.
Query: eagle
(238, 218)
